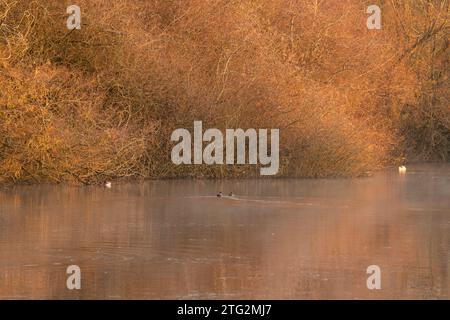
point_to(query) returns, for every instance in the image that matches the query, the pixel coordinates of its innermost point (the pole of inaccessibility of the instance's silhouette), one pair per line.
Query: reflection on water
(276, 239)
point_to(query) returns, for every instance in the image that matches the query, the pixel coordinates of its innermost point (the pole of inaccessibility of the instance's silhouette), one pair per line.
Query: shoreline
(119, 180)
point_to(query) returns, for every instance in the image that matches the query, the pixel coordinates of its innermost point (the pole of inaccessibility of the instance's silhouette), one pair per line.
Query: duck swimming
(402, 170)
(219, 195)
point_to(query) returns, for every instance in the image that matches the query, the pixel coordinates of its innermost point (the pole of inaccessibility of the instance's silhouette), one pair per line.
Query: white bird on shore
(108, 184)
(402, 169)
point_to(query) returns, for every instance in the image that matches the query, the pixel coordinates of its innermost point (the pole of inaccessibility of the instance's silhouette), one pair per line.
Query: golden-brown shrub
(101, 102)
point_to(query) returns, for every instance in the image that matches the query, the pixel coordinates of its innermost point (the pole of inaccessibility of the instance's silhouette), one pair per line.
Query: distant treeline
(101, 102)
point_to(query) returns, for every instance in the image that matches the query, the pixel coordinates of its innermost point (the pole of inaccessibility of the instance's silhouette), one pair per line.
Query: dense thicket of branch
(101, 102)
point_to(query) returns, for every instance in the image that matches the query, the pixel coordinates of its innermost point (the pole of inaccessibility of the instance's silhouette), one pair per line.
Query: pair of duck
(220, 194)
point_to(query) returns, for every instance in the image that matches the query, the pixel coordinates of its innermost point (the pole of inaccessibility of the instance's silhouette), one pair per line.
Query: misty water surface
(286, 238)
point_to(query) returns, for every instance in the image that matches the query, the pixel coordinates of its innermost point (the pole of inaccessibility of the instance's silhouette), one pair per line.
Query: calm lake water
(275, 239)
